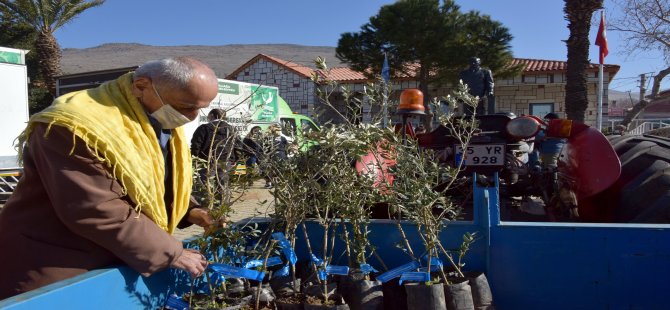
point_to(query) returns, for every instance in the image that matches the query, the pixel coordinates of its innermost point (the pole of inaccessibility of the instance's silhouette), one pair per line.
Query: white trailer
(14, 113)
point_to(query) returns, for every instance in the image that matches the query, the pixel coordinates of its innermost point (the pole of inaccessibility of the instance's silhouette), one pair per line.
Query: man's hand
(190, 261)
(200, 217)
(203, 219)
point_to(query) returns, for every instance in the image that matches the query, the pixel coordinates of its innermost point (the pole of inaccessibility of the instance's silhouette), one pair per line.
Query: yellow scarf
(115, 127)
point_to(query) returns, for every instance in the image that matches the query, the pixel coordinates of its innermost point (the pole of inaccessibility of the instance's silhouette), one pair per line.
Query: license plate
(481, 155)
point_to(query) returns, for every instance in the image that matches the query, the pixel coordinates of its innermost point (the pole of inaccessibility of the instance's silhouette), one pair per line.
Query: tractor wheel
(642, 192)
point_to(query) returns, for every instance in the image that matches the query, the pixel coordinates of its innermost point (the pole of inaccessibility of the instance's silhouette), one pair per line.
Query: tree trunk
(578, 13)
(49, 56)
(637, 109)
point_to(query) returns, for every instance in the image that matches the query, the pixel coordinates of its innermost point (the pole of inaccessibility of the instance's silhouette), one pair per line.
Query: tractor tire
(642, 192)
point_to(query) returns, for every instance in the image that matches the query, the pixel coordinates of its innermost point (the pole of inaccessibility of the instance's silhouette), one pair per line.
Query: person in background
(620, 129)
(548, 148)
(252, 149)
(215, 143)
(420, 130)
(278, 148)
(107, 179)
(251, 146)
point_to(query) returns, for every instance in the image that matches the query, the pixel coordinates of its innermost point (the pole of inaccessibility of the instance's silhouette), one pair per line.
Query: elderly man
(107, 178)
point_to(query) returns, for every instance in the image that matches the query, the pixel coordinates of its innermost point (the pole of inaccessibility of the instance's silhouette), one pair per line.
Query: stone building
(293, 80)
(540, 88)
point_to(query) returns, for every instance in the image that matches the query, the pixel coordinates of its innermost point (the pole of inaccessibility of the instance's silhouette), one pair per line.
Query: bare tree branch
(646, 26)
(649, 100)
(656, 86)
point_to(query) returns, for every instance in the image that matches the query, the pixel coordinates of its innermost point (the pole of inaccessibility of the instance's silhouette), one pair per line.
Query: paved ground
(249, 206)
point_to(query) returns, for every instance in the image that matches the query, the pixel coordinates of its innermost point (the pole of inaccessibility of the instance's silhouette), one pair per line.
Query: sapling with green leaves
(217, 189)
(303, 186)
(322, 183)
(291, 189)
(348, 142)
(418, 174)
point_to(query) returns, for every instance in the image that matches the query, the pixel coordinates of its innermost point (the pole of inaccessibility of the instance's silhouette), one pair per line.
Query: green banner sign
(264, 102)
(10, 57)
(229, 88)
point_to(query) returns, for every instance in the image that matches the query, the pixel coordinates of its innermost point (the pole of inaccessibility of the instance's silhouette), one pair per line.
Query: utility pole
(640, 105)
(643, 83)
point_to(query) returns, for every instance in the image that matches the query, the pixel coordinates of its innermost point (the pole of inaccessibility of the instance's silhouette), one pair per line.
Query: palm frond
(47, 15)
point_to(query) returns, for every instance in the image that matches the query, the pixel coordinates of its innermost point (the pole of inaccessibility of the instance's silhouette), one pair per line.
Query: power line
(626, 78)
(631, 84)
(624, 81)
(632, 77)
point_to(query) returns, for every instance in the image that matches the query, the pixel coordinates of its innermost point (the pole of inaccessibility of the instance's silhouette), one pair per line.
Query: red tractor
(596, 179)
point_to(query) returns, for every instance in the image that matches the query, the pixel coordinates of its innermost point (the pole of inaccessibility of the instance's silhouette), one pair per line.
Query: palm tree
(46, 17)
(578, 14)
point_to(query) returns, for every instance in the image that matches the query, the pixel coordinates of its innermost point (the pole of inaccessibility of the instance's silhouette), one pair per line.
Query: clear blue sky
(538, 26)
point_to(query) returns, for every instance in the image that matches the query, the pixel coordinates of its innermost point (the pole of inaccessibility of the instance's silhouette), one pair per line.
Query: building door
(541, 109)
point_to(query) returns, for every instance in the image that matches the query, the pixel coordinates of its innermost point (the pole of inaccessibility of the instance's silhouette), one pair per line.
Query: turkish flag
(601, 39)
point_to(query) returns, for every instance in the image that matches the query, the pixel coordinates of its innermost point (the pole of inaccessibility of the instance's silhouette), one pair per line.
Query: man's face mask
(167, 116)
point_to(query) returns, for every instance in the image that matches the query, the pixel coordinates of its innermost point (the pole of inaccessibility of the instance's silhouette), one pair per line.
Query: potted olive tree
(217, 188)
(419, 186)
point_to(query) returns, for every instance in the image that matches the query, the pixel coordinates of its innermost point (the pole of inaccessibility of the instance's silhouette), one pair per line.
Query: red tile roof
(346, 74)
(300, 69)
(343, 74)
(537, 65)
(296, 68)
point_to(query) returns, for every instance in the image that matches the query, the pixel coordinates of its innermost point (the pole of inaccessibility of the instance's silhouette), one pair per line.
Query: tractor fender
(589, 160)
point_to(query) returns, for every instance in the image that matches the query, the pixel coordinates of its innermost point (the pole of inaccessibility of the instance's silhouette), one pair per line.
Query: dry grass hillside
(223, 59)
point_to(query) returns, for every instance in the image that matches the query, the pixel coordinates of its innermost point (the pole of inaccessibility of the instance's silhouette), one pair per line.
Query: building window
(551, 78)
(246, 73)
(541, 109)
(296, 84)
(523, 78)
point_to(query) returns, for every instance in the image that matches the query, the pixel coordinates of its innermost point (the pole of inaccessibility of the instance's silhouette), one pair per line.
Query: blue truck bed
(529, 266)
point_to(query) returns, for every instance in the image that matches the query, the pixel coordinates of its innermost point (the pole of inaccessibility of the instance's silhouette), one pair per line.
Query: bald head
(185, 83)
(175, 72)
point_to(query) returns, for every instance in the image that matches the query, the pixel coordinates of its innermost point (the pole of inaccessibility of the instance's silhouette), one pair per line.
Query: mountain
(621, 99)
(223, 59)
(621, 95)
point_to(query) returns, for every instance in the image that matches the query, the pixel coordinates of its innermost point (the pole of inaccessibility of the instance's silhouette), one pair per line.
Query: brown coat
(68, 216)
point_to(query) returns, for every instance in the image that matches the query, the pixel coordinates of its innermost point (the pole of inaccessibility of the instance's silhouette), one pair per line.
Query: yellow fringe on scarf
(115, 127)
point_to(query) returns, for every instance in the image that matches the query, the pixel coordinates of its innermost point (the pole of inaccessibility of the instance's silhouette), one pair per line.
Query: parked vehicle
(586, 184)
(14, 107)
(589, 175)
(249, 105)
